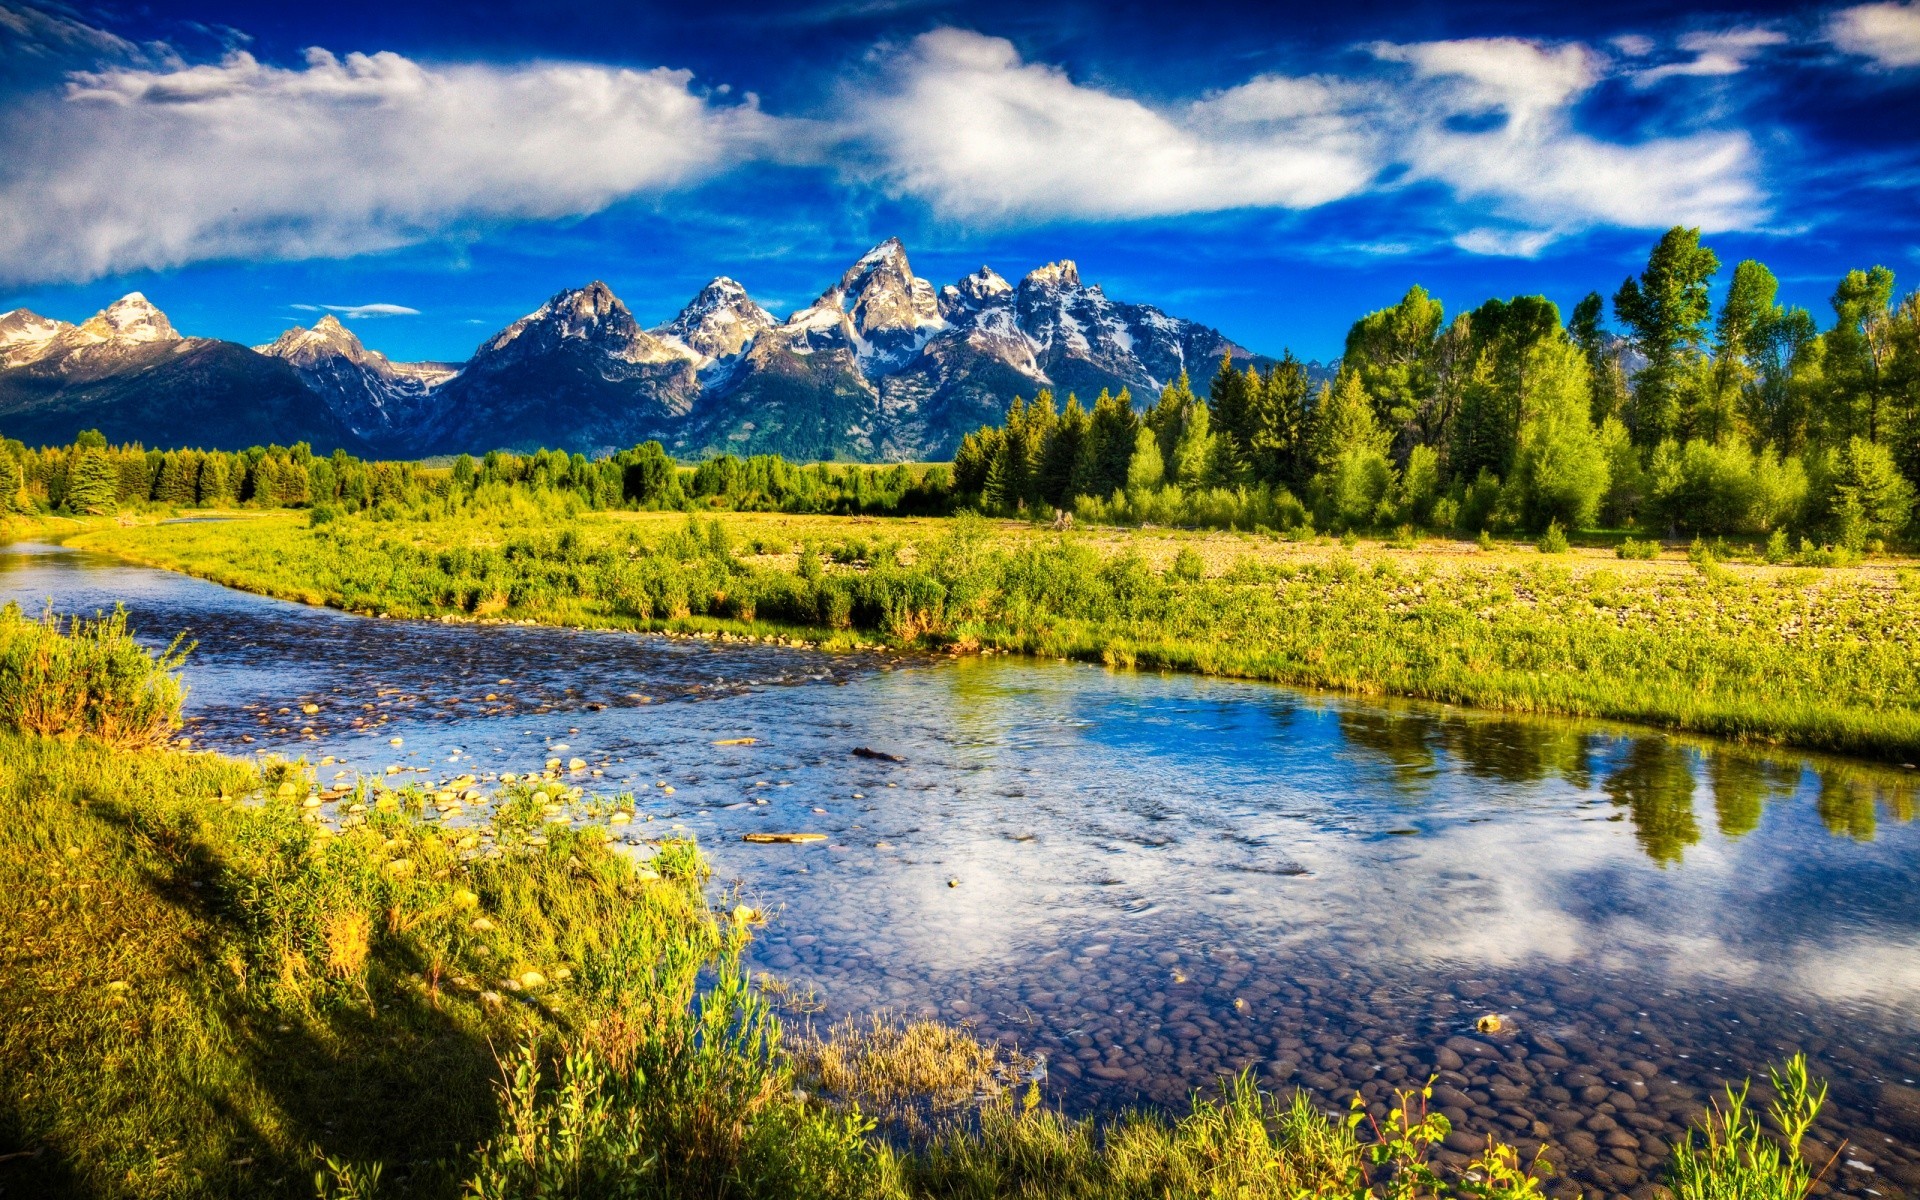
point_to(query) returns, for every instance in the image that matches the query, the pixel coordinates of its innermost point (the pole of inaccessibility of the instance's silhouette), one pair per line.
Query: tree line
(1745, 420)
(91, 477)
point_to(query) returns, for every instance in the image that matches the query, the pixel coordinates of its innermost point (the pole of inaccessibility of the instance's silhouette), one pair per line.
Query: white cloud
(1493, 121)
(357, 311)
(1506, 243)
(1724, 53)
(149, 168)
(963, 122)
(1889, 34)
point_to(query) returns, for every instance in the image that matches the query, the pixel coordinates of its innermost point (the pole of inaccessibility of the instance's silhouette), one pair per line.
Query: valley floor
(1820, 657)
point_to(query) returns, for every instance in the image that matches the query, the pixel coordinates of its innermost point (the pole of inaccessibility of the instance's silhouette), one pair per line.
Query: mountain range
(882, 367)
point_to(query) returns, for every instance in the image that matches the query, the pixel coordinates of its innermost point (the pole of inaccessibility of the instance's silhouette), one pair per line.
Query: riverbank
(224, 981)
(1815, 657)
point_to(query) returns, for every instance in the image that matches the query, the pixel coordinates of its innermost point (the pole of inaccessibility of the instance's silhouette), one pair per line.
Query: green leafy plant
(1731, 1157)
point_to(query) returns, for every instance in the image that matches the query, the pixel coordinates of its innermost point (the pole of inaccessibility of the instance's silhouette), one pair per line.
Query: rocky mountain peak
(130, 319)
(1055, 276)
(591, 313)
(719, 321)
(881, 294)
(25, 335)
(973, 292)
(327, 339)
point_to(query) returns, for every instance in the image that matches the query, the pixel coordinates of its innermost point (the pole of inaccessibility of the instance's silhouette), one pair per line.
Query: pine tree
(1061, 456)
(1230, 409)
(12, 480)
(92, 482)
(213, 486)
(1280, 424)
(1110, 442)
(1344, 421)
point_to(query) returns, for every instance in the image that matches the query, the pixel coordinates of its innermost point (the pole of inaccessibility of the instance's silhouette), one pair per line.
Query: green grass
(211, 991)
(87, 678)
(1820, 658)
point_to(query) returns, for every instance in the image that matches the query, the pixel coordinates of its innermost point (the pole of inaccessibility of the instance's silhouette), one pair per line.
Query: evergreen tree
(1191, 464)
(1109, 445)
(12, 481)
(213, 486)
(1231, 412)
(1060, 458)
(1281, 418)
(92, 481)
(1146, 469)
(1352, 480)
(1172, 413)
(1665, 312)
(1868, 497)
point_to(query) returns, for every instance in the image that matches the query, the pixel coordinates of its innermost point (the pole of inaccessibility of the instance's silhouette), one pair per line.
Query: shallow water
(1155, 880)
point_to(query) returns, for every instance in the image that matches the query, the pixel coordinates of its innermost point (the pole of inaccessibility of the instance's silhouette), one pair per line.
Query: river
(1154, 880)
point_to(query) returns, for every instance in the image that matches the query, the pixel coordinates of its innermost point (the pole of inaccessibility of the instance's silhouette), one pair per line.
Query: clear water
(1155, 880)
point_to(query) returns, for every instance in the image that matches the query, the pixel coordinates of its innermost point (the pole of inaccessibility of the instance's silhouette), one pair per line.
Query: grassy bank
(1815, 657)
(222, 981)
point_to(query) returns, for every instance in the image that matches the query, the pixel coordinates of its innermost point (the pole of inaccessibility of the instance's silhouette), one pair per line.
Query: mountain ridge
(881, 366)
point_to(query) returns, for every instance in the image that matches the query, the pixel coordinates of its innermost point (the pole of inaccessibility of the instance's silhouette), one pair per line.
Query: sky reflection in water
(1166, 845)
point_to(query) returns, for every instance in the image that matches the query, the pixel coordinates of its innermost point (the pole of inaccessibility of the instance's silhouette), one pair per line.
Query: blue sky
(1269, 170)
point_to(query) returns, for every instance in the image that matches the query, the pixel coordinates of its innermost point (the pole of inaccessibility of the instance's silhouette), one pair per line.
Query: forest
(1750, 420)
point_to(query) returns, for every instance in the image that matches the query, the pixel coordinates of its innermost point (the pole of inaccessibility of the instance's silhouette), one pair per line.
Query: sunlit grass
(1814, 657)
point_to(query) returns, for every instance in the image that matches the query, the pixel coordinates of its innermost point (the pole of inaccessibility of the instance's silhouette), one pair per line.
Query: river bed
(1154, 880)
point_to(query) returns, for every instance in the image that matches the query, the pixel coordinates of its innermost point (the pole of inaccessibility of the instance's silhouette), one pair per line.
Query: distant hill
(882, 367)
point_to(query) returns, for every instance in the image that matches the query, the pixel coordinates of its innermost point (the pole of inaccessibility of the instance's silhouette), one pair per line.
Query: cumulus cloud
(1887, 33)
(141, 168)
(962, 121)
(1724, 53)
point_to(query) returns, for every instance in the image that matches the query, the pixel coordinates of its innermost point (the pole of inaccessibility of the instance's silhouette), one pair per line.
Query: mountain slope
(379, 401)
(127, 373)
(881, 366)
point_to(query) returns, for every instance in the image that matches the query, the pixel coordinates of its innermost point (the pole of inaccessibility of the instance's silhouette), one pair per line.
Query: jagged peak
(327, 339)
(980, 286)
(1062, 274)
(719, 321)
(131, 318)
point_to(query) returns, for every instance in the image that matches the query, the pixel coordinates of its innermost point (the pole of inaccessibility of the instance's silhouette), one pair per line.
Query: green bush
(1554, 540)
(87, 678)
(1633, 548)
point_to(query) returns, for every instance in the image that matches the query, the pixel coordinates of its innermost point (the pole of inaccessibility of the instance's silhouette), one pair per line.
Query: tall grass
(208, 992)
(87, 678)
(1808, 657)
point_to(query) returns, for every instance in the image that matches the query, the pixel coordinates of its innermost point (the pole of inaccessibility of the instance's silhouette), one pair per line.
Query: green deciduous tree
(1559, 464)
(1665, 312)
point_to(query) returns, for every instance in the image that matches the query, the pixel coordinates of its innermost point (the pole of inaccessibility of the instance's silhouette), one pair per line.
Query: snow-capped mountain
(718, 323)
(577, 373)
(882, 366)
(128, 373)
(379, 400)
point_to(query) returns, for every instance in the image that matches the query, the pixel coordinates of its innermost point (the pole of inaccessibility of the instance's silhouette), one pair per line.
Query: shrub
(1554, 540)
(1638, 550)
(89, 678)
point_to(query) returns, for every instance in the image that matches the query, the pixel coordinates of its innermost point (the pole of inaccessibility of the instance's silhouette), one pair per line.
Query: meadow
(1698, 639)
(223, 980)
